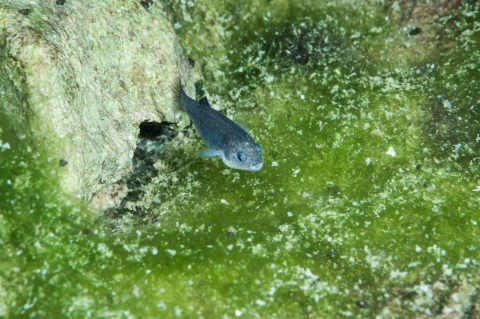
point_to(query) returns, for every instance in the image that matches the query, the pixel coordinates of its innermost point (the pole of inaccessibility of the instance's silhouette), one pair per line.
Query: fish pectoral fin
(208, 152)
(204, 101)
(243, 125)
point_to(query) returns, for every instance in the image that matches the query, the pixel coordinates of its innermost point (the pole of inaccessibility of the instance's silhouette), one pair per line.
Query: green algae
(365, 206)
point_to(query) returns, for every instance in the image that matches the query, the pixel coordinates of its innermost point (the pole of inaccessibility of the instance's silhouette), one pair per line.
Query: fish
(224, 138)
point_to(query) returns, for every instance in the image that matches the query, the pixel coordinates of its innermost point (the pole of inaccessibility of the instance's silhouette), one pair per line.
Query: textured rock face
(80, 77)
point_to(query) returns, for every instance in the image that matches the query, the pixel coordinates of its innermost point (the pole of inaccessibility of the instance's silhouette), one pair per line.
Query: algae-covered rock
(81, 76)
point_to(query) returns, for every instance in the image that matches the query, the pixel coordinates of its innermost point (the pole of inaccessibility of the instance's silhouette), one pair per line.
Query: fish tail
(177, 91)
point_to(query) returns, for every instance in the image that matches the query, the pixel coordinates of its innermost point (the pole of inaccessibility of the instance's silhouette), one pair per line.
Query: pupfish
(224, 138)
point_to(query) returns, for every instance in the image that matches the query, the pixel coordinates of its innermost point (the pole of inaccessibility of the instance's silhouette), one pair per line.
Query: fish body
(224, 138)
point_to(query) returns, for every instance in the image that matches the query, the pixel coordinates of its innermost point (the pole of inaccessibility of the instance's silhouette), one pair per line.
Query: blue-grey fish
(224, 138)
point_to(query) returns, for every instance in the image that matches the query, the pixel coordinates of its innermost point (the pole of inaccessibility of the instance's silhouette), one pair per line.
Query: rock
(81, 76)
(109, 197)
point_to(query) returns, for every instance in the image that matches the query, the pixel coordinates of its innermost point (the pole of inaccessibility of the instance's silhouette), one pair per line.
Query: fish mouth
(257, 167)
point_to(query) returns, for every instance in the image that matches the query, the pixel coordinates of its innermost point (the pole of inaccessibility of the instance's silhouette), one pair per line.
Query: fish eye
(242, 157)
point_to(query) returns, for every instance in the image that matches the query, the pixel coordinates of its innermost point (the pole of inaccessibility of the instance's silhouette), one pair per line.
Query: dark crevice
(146, 4)
(152, 130)
(151, 142)
(25, 12)
(415, 31)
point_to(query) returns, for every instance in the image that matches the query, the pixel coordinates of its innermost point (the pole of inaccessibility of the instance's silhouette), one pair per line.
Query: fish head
(244, 156)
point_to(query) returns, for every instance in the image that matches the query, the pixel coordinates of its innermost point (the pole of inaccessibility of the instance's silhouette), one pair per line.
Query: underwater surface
(367, 205)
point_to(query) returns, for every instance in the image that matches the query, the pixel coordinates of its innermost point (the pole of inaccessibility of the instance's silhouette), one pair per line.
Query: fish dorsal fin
(177, 90)
(204, 101)
(243, 125)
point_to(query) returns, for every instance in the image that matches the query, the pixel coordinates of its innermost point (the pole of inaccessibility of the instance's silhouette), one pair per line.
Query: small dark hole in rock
(146, 4)
(61, 2)
(63, 162)
(361, 303)
(415, 31)
(151, 130)
(191, 63)
(25, 12)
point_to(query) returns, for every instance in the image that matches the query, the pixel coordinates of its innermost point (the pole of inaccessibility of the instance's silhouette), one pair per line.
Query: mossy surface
(366, 206)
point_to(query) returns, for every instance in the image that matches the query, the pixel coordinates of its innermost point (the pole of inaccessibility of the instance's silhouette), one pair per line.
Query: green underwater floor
(367, 205)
